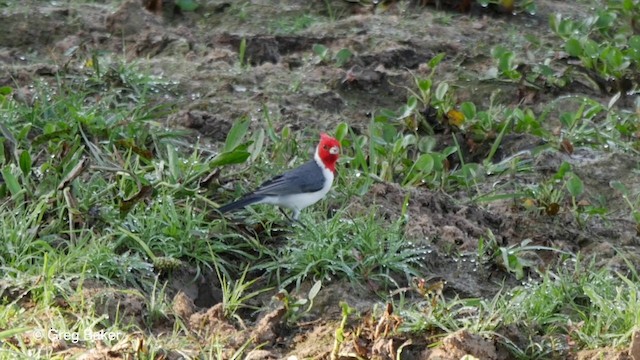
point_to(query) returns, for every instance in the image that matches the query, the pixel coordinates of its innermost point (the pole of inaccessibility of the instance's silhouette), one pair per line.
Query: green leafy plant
(242, 53)
(629, 199)
(605, 44)
(364, 251)
(325, 55)
(293, 25)
(339, 337)
(234, 296)
(187, 5)
(295, 307)
(427, 98)
(514, 258)
(507, 66)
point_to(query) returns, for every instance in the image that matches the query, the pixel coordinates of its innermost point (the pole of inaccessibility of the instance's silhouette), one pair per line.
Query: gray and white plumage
(297, 188)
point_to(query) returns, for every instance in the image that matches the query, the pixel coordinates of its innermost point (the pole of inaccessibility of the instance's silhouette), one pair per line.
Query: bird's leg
(294, 219)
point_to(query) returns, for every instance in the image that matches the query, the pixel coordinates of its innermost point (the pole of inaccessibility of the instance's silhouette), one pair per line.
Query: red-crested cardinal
(300, 187)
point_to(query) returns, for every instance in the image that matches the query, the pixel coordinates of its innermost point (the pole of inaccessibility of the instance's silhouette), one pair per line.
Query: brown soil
(199, 51)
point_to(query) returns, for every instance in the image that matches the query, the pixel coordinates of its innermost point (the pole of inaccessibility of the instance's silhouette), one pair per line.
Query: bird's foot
(293, 220)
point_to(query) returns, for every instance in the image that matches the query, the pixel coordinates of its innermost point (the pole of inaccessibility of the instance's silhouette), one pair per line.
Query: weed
(242, 53)
(507, 66)
(296, 308)
(361, 252)
(605, 44)
(233, 294)
(293, 25)
(633, 201)
(324, 55)
(514, 258)
(340, 331)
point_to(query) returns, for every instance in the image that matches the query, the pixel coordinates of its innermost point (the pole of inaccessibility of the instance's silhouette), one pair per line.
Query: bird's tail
(241, 203)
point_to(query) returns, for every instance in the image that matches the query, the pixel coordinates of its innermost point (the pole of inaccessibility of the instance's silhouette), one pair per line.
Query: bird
(300, 187)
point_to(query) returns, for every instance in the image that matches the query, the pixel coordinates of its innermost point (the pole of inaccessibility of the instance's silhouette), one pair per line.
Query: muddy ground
(199, 52)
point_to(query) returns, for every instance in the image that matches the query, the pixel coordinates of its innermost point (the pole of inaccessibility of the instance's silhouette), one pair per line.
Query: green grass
(359, 250)
(97, 193)
(579, 306)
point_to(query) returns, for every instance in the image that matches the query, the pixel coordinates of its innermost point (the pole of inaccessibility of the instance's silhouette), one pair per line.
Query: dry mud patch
(199, 52)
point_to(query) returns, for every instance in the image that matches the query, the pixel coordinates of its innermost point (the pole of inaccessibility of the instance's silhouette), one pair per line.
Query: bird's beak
(334, 150)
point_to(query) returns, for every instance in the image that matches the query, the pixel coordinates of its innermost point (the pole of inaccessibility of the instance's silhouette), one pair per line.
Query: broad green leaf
(256, 146)
(617, 185)
(498, 51)
(341, 131)
(634, 48)
(505, 62)
(25, 162)
(12, 183)
(591, 48)
(424, 85)
(441, 90)
(562, 170)
(412, 102)
(407, 110)
(468, 109)
(237, 132)
(436, 60)
(573, 47)
(605, 20)
(23, 134)
(575, 186)
(424, 164)
(426, 144)
(187, 5)
(5, 90)
(342, 57)
(320, 50)
(315, 289)
(285, 133)
(449, 150)
(229, 158)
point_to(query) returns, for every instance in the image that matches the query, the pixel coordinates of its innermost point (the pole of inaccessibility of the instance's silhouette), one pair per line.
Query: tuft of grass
(361, 250)
(578, 306)
(234, 294)
(293, 25)
(100, 191)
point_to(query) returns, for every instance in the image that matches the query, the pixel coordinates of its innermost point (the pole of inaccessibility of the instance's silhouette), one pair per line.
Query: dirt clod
(131, 18)
(266, 330)
(183, 305)
(462, 343)
(211, 320)
(260, 355)
(206, 123)
(634, 348)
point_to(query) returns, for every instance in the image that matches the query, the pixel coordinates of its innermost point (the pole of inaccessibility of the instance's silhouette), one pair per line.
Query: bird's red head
(328, 151)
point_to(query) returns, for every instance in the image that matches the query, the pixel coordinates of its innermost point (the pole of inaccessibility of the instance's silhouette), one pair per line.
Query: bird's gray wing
(305, 178)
